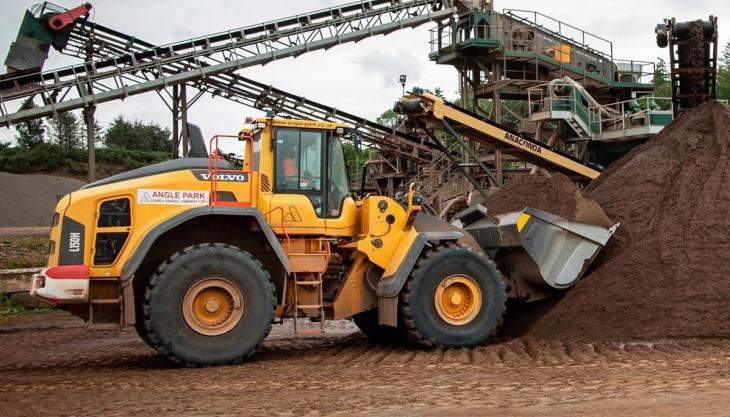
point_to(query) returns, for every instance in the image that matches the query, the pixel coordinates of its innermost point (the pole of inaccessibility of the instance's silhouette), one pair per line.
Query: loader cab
(310, 180)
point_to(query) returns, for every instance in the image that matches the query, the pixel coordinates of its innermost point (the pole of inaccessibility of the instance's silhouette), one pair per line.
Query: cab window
(300, 169)
(298, 156)
(256, 151)
(338, 187)
(310, 159)
(299, 160)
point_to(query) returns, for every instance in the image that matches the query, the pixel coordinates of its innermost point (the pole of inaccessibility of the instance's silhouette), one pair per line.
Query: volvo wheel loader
(202, 255)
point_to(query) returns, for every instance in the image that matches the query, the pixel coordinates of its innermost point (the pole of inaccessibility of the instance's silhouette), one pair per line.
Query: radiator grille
(225, 196)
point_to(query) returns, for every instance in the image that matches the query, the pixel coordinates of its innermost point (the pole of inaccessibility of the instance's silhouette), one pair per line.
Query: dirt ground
(53, 365)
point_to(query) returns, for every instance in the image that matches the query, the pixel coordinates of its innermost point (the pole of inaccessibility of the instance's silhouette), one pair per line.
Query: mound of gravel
(667, 273)
(29, 200)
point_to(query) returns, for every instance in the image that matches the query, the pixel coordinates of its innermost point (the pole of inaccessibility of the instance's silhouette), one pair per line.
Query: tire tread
(409, 328)
(160, 274)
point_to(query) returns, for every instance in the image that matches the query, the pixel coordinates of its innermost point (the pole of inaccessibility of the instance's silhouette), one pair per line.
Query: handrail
(625, 116)
(281, 225)
(511, 13)
(213, 171)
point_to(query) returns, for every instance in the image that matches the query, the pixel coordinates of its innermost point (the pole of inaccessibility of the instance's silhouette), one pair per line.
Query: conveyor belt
(434, 111)
(106, 42)
(154, 68)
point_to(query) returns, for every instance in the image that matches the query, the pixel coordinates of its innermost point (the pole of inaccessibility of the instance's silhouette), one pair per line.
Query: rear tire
(209, 304)
(455, 297)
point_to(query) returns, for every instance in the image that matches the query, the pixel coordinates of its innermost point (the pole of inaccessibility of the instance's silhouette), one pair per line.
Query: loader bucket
(560, 249)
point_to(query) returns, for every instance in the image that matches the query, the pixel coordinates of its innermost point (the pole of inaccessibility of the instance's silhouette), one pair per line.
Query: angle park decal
(173, 197)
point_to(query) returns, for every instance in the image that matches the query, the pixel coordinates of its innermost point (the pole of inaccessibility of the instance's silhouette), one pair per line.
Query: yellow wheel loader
(203, 255)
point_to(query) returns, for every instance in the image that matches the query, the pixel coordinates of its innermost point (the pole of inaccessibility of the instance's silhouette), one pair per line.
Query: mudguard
(390, 285)
(140, 252)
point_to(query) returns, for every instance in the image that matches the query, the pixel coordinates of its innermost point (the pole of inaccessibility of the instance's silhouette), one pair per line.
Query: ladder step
(310, 306)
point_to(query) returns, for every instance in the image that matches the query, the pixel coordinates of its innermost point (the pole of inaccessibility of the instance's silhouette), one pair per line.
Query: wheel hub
(458, 299)
(213, 306)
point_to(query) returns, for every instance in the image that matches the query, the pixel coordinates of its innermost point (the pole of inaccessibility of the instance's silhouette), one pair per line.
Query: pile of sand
(557, 195)
(667, 273)
(29, 200)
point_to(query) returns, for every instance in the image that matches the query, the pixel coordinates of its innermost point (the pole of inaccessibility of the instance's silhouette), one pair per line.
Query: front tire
(367, 322)
(455, 297)
(209, 304)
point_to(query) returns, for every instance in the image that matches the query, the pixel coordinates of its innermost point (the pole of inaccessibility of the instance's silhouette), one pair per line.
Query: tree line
(68, 132)
(59, 145)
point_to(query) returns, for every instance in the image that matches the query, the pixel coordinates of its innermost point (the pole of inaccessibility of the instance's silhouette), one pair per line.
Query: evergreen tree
(723, 74)
(120, 134)
(137, 135)
(98, 134)
(662, 84)
(30, 134)
(65, 130)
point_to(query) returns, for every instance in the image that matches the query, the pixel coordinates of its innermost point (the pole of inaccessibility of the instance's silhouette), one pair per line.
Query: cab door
(339, 205)
(299, 180)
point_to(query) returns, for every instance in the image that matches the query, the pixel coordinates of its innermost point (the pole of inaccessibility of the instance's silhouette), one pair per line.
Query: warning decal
(172, 197)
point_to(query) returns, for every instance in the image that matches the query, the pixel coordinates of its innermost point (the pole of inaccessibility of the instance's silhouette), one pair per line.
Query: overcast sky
(359, 78)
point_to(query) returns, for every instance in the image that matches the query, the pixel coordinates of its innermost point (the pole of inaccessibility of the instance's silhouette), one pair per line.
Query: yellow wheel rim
(213, 306)
(458, 299)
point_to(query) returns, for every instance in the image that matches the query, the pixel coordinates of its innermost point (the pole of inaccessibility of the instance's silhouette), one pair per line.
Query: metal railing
(575, 51)
(459, 31)
(214, 159)
(635, 72)
(596, 119)
(640, 112)
(563, 32)
(432, 176)
(547, 98)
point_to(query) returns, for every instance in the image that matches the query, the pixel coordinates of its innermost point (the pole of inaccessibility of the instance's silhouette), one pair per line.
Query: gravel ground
(53, 365)
(29, 200)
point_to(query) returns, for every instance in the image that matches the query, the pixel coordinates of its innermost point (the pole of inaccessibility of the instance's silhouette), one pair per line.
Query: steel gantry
(137, 71)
